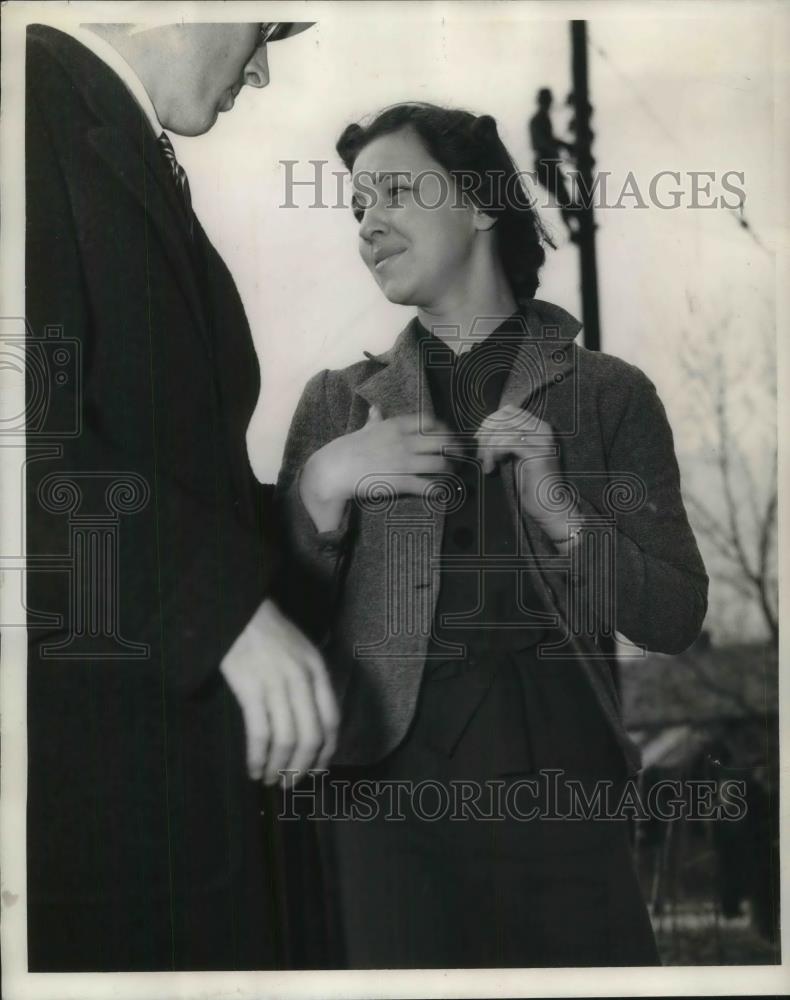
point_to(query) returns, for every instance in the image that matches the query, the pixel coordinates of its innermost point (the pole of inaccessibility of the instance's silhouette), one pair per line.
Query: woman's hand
(402, 451)
(513, 431)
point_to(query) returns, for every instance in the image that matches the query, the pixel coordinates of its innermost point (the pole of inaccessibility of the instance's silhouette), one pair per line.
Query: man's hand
(280, 682)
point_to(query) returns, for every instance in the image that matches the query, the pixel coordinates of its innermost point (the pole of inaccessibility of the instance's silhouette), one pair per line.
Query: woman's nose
(256, 72)
(372, 223)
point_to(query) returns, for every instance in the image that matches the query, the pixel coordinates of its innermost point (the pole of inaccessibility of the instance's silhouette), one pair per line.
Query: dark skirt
(453, 852)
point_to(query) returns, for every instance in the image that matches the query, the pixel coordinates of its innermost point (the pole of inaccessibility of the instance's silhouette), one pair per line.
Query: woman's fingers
(419, 423)
(489, 454)
(426, 465)
(490, 447)
(413, 485)
(433, 443)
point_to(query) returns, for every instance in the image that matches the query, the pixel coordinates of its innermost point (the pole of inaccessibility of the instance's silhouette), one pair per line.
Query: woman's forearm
(322, 500)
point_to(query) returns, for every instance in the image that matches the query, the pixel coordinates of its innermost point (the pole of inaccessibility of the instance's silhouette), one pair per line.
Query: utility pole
(584, 165)
(585, 236)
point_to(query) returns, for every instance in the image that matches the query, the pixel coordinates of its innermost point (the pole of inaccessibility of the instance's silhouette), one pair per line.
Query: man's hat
(275, 31)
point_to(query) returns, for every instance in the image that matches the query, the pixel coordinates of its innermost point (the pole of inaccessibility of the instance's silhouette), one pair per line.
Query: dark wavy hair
(470, 150)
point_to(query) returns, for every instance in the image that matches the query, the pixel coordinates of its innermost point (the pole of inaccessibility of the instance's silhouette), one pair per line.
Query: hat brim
(285, 29)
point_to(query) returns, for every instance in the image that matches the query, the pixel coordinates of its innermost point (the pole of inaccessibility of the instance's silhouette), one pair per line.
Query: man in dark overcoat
(164, 684)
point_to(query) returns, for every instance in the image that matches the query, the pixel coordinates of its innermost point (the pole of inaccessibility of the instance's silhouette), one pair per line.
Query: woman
(465, 525)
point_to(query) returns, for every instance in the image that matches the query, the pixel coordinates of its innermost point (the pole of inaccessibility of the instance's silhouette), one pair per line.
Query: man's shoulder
(72, 88)
(59, 81)
(53, 51)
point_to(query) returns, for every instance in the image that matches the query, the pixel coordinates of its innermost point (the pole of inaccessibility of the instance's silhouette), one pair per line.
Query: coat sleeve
(656, 587)
(309, 583)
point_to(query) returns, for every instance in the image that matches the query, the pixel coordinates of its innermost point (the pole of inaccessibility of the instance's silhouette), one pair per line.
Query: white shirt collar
(112, 58)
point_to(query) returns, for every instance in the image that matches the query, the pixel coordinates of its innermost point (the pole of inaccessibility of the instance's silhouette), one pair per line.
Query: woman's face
(415, 236)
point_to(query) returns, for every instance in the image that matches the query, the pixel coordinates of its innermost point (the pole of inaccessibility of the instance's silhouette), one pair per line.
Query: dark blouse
(544, 713)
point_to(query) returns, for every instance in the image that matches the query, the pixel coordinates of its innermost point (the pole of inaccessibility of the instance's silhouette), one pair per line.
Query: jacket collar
(122, 69)
(401, 385)
(546, 356)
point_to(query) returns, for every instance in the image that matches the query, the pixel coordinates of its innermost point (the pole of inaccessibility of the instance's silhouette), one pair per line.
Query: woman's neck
(478, 308)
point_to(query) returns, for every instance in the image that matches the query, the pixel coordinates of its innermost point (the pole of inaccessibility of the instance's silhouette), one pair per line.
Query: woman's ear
(481, 220)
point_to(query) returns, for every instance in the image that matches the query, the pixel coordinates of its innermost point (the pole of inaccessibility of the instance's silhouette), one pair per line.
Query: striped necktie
(179, 176)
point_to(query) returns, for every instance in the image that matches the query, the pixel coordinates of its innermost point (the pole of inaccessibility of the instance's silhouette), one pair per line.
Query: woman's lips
(395, 253)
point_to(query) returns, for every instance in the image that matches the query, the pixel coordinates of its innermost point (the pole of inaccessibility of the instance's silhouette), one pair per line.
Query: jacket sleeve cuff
(304, 535)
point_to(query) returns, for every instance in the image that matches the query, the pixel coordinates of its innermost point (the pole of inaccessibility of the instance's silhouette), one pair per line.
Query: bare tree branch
(709, 526)
(737, 698)
(724, 456)
(743, 533)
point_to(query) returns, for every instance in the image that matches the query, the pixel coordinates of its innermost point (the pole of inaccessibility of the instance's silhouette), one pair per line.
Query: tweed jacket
(368, 589)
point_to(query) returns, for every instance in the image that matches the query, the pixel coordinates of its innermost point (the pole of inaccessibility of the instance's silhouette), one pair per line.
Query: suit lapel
(147, 182)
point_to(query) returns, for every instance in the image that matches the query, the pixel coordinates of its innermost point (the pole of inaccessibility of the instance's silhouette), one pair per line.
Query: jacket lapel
(398, 389)
(538, 382)
(401, 386)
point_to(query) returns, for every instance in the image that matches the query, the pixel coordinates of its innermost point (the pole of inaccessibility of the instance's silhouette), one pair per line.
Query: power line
(653, 115)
